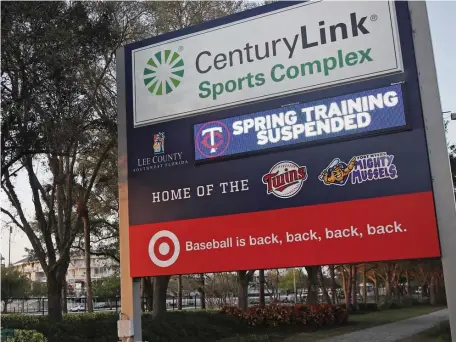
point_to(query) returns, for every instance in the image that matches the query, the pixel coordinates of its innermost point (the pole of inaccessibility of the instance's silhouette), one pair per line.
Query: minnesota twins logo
(337, 172)
(159, 143)
(285, 179)
(212, 139)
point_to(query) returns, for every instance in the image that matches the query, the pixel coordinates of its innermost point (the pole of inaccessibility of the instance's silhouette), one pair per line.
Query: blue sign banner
(347, 115)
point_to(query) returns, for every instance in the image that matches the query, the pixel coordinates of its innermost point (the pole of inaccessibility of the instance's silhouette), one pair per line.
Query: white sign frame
(185, 100)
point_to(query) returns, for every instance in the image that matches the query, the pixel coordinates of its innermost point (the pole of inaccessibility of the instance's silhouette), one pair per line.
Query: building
(101, 267)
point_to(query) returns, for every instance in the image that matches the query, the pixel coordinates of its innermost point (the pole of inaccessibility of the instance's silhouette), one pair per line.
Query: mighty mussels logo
(354, 26)
(160, 159)
(360, 169)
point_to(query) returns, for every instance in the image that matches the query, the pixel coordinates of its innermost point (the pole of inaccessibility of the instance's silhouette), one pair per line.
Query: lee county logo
(213, 138)
(160, 158)
(164, 72)
(285, 179)
(159, 143)
(359, 169)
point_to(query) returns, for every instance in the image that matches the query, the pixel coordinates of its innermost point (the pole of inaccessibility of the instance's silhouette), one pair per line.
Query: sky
(441, 19)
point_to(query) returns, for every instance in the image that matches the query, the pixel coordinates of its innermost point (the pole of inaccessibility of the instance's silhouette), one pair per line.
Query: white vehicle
(77, 308)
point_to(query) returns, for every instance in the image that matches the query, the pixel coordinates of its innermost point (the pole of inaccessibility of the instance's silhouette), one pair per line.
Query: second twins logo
(285, 179)
(213, 139)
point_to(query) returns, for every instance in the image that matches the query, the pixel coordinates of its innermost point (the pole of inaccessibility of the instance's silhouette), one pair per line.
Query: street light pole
(9, 246)
(452, 114)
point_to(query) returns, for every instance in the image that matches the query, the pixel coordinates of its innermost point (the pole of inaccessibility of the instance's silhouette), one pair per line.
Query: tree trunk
(179, 292)
(388, 285)
(262, 281)
(376, 290)
(432, 291)
(159, 295)
(65, 294)
(202, 292)
(396, 288)
(277, 283)
(89, 296)
(347, 287)
(344, 281)
(312, 288)
(5, 307)
(333, 283)
(323, 286)
(143, 294)
(388, 291)
(354, 287)
(243, 286)
(54, 297)
(364, 285)
(150, 294)
(407, 279)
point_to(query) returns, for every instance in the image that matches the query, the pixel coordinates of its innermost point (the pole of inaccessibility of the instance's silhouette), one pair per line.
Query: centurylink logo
(164, 72)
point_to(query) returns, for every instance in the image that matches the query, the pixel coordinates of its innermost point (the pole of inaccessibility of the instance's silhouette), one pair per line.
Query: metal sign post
(438, 154)
(195, 162)
(130, 288)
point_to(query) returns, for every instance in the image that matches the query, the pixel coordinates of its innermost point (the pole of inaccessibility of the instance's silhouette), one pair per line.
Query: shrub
(312, 316)
(178, 326)
(396, 303)
(102, 327)
(27, 336)
(96, 327)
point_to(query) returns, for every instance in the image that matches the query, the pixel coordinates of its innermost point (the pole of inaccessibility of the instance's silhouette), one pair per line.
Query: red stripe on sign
(385, 228)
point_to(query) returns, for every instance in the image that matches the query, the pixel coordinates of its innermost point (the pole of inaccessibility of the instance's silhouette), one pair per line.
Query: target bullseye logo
(164, 248)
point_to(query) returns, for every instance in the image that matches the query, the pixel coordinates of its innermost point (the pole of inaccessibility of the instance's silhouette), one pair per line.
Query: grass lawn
(355, 322)
(439, 333)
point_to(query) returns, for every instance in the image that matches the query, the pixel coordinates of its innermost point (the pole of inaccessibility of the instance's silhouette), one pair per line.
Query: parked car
(78, 308)
(99, 305)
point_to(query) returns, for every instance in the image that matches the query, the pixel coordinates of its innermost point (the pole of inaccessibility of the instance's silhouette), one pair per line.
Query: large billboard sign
(347, 115)
(310, 45)
(326, 168)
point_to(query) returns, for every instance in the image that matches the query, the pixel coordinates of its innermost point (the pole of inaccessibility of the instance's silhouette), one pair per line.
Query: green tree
(108, 287)
(174, 15)
(48, 48)
(59, 112)
(287, 280)
(272, 283)
(14, 284)
(38, 289)
(244, 277)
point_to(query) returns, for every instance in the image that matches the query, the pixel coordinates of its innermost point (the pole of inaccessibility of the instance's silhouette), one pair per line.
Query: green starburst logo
(164, 72)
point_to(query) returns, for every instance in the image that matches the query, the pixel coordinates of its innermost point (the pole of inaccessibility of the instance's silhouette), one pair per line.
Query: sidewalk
(393, 331)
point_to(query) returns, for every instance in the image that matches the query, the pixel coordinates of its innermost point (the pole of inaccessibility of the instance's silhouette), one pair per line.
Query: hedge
(176, 326)
(102, 327)
(309, 316)
(27, 336)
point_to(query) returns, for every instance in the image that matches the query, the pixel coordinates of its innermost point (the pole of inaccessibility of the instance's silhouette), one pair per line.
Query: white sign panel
(303, 47)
